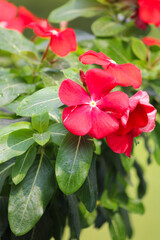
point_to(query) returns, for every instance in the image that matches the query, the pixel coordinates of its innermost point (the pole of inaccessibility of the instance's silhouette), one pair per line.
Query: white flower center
(54, 32)
(92, 103)
(112, 61)
(3, 24)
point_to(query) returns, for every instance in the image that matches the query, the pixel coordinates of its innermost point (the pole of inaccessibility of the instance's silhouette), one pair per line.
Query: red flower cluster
(100, 113)
(62, 41)
(149, 11)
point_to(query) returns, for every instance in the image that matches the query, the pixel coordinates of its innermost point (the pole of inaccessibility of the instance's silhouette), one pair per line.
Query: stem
(155, 62)
(45, 52)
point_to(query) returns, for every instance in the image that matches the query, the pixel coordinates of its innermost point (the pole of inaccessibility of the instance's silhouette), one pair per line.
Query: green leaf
(105, 27)
(23, 164)
(57, 132)
(139, 48)
(14, 127)
(73, 74)
(11, 87)
(43, 100)
(40, 122)
(107, 202)
(73, 162)
(15, 144)
(86, 218)
(41, 138)
(127, 162)
(28, 199)
(133, 206)
(116, 228)
(5, 170)
(14, 42)
(88, 192)
(75, 8)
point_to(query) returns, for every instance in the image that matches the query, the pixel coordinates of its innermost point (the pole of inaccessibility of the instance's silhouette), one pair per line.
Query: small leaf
(107, 202)
(57, 132)
(104, 27)
(40, 122)
(41, 138)
(75, 8)
(139, 48)
(88, 192)
(43, 100)
(28, 199)
(116, 228)
(14, 127)
(127, 162)
(23, 164)
(73, 162)
(14, 42)
(15, 144)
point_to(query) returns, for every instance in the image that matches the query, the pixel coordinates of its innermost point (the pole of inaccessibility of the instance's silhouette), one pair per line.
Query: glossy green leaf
(23, 164)
(5, 170)
(40, 122)
(57, 132)
(41, 138)
(107, 202)
(14, 127)
(14, 42)
(73, 162)
(116, 228)
(43, 100)
(88, 193)
(75, 8)
(127, 162)
(15, 144)
(105, 27)
(139, 48)
(28, 199)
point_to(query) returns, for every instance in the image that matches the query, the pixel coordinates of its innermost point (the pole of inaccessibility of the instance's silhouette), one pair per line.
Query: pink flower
(139, 117)
(149, 11)
(149, 41)
(61, 42)
(125, 74)
(93, 112)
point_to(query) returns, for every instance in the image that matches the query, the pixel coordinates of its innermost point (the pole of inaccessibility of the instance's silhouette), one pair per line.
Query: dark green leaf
(73, 162)
(107, 202)
(29, 198)
(75, 8)
(139, 48)
(43, 100)
(116, 228)
(57, 132)
(40, 122)
(23, 164)
(105, 27)
(88, 192)
(14, 42)
(41, 138)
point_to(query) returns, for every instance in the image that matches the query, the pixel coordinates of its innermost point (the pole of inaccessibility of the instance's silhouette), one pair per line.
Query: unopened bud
(82, 77)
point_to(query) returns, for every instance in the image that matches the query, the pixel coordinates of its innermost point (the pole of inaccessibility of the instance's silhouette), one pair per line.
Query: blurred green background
(146, 226)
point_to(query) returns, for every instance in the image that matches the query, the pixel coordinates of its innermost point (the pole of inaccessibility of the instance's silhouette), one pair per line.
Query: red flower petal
(77, 119)
(72, 94)
(26, 16)
(139, 97)
(16, 24)
(149, 11)
(103, 124)
(41, 30)
(91, 57)
(151, 41)
(117, 143)
(99, 83)
(151, 122)
(8, 11)
(126, 74)
(114, 102)
(63, 42)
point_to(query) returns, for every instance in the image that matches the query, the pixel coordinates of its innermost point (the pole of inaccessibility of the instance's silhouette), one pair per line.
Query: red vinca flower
(149, 11)
(61, 43)
(140, 117)
(149, 41)
(92, 113)
(125, 74)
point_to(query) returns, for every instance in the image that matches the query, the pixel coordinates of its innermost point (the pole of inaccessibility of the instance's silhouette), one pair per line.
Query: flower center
(54, 32)
(112, 61)
(3, 24)
(93, 103)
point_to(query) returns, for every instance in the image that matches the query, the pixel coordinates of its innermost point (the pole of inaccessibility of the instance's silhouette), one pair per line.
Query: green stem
(45, 52)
